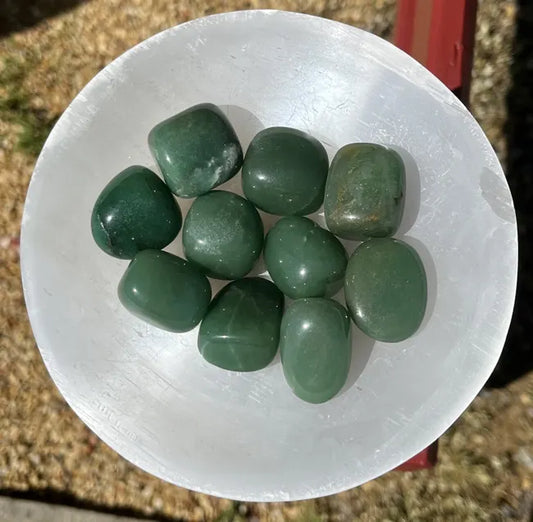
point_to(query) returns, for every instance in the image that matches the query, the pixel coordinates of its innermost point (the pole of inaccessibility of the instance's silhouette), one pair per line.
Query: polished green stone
(365, 192)
(316, 348)
(223, 235)
(303, 259)
(135, 211)
(386, 289)
(196, 150)
(284, 172)
(165, 290)
(241, 329)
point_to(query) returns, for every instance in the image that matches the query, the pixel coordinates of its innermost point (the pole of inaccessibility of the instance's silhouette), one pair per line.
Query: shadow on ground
(16, 15)
(62, 498)
(517, 357)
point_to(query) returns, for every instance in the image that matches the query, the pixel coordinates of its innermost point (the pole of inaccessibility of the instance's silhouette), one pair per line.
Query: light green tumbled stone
(365, 192)
(316, 348)
(223, 235)
(241, 329)
(303, 259)
(386, 290)
(165, 290)
(196, 150)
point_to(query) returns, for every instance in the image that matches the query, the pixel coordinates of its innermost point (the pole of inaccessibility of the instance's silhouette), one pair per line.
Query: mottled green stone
(196, 150)
(135, 211)
(284, 172)
(303, 259)
(365, 192)
(165, 291)
(386, 290)
(223, 235)
(241, 329)
(316, 348)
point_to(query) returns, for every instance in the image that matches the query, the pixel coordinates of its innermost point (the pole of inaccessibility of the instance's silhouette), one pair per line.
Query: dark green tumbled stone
(196, 150)
(316, 348)
(386, 290)
(223, 235)
(365, 192)
(135, 211)
(165, 290)
(284, 172)
(241, 329)
(303, 259)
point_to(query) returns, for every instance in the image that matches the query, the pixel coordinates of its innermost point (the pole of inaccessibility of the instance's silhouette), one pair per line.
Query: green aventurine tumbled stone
(365, 192)
(284, 172)
(165, 290)
(241, 329)
(303, 259)
(223, 235)
(316, 348)
(196, 150)
(135, 211)
(386, 289)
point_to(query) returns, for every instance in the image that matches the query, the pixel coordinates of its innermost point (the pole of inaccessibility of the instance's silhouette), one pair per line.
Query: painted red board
(423, 460)
(440, 35)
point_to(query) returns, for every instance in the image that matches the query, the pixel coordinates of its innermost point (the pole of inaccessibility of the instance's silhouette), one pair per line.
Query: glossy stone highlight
(284, 172)
(241, 329)
(386, 290)
(365, 192)
(135, 211)
(165, 290)
(223, 235)
(316, 348)
(303, 259)
(196, 150)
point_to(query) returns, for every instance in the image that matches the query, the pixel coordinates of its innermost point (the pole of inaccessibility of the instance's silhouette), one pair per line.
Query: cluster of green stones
(287, 173)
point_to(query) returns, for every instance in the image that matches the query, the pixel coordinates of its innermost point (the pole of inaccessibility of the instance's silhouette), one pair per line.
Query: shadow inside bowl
(412, 190)
(245, 123)
(431, 276)
(276, 360)
(361, 351)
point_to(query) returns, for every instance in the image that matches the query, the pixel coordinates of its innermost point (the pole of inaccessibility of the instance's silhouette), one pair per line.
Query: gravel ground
(486, 459)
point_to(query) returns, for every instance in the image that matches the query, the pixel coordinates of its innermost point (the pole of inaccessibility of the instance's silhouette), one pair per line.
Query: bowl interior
(148, 393)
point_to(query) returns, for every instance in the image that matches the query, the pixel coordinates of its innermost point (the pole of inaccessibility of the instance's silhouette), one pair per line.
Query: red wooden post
(423, 460)
(440, 35)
